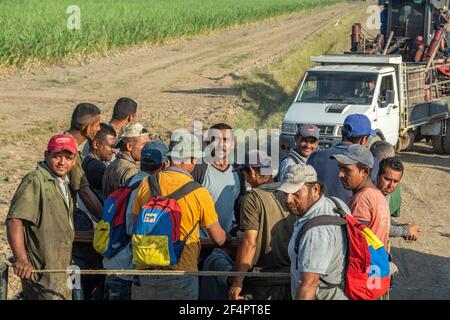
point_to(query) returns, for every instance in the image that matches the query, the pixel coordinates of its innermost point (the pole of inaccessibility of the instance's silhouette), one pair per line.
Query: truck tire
(446, 140)
(437, 142)
(441, 144)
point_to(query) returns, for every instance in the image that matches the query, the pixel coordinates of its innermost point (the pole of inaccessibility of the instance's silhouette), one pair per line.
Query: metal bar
(3, 281)
(386, 47)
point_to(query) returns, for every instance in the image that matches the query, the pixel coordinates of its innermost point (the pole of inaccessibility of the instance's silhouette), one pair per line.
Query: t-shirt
(118, 173)
(94, 170)
(322, 250)
(224, 187)
(370, 206)
(197, 206)
(77, 178)
(263, 210)
(395, 202)
(48, 229)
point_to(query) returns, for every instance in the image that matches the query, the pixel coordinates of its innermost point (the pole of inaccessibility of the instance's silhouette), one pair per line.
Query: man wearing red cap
(39, 222)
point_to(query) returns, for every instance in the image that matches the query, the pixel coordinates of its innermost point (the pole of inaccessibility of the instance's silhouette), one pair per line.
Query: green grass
(34, 31)
(268, 92)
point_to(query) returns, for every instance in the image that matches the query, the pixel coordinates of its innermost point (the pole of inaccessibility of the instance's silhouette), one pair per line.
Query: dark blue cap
(357, 125)
(154, 153)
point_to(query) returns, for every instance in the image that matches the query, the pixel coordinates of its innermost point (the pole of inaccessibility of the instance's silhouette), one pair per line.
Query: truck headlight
(288, 128)
(339, 130)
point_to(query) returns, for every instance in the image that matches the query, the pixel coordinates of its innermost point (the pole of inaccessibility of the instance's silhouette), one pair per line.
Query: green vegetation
(270, 91)
(35, 31)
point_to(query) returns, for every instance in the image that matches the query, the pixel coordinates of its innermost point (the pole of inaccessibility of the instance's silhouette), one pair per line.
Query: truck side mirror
(390, 96)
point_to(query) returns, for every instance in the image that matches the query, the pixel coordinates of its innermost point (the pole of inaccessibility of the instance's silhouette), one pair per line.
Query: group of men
(247, 201)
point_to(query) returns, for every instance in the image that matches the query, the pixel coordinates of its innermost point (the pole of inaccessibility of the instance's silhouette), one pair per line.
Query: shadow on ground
(421, 276)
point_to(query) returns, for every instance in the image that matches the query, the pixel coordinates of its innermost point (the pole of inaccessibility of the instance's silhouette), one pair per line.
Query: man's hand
(23, 269)
(235, 291)
(413, 232)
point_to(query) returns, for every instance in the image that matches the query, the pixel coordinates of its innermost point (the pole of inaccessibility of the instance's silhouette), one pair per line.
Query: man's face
(105, 149)
(222, 142)
(388, 181)
(306, 146)
(60, 163)
(351, 176)
(93, 128)
(371, 85)
(137, 145)
(250, 176)
(299, 203)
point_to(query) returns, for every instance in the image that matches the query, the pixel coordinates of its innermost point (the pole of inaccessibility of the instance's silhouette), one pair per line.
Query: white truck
(402, 100)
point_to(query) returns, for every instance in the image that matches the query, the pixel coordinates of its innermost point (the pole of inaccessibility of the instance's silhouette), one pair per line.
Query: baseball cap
(184, 145)
(154, 153)
(355, 154)
(254, 159)
(296, 176)
(131, 130)
(357, 125)
(61, 142)
(308, 130)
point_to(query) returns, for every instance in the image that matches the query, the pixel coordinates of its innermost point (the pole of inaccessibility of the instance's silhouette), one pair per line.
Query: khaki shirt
(118, 172)
(48, 230)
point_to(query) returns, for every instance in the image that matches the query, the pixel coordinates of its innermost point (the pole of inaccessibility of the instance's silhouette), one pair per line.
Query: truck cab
(337, 88)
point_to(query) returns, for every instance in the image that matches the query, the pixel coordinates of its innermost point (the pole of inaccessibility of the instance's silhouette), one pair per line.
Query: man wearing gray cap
(306, 142)
(368, 204)
(131, 140)
(318, 254)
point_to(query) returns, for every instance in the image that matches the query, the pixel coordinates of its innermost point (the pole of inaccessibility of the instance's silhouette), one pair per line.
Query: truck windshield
(338, 87)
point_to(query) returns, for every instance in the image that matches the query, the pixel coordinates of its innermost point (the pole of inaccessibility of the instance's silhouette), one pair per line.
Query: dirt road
(188, 80)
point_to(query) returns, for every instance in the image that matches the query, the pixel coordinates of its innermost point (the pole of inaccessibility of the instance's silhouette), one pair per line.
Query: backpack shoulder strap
(324, 220)
(153, 183)
(185, 190)
(338, 208)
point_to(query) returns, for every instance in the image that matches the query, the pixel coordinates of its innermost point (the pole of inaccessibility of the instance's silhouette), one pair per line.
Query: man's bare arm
(22, 267)
(308, 287)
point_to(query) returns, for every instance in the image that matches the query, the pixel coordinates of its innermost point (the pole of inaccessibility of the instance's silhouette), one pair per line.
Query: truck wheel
(437, 142)
(446, 140)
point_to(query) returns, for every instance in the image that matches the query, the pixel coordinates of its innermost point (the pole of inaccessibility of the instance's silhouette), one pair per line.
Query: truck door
(387, 114)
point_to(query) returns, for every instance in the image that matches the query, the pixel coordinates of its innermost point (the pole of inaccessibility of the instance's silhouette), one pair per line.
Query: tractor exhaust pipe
(356, 37)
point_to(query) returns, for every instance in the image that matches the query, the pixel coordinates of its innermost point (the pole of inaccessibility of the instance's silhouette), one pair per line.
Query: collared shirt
(118, 173)
(293, 158)
(63, 183)
(322, 250)
(48, 230)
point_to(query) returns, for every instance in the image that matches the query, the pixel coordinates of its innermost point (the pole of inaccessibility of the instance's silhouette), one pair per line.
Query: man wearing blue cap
(153, 160)
(306, 142)
(356, 130)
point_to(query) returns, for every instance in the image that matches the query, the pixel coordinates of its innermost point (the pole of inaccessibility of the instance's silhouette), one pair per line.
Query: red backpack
(367, 263)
